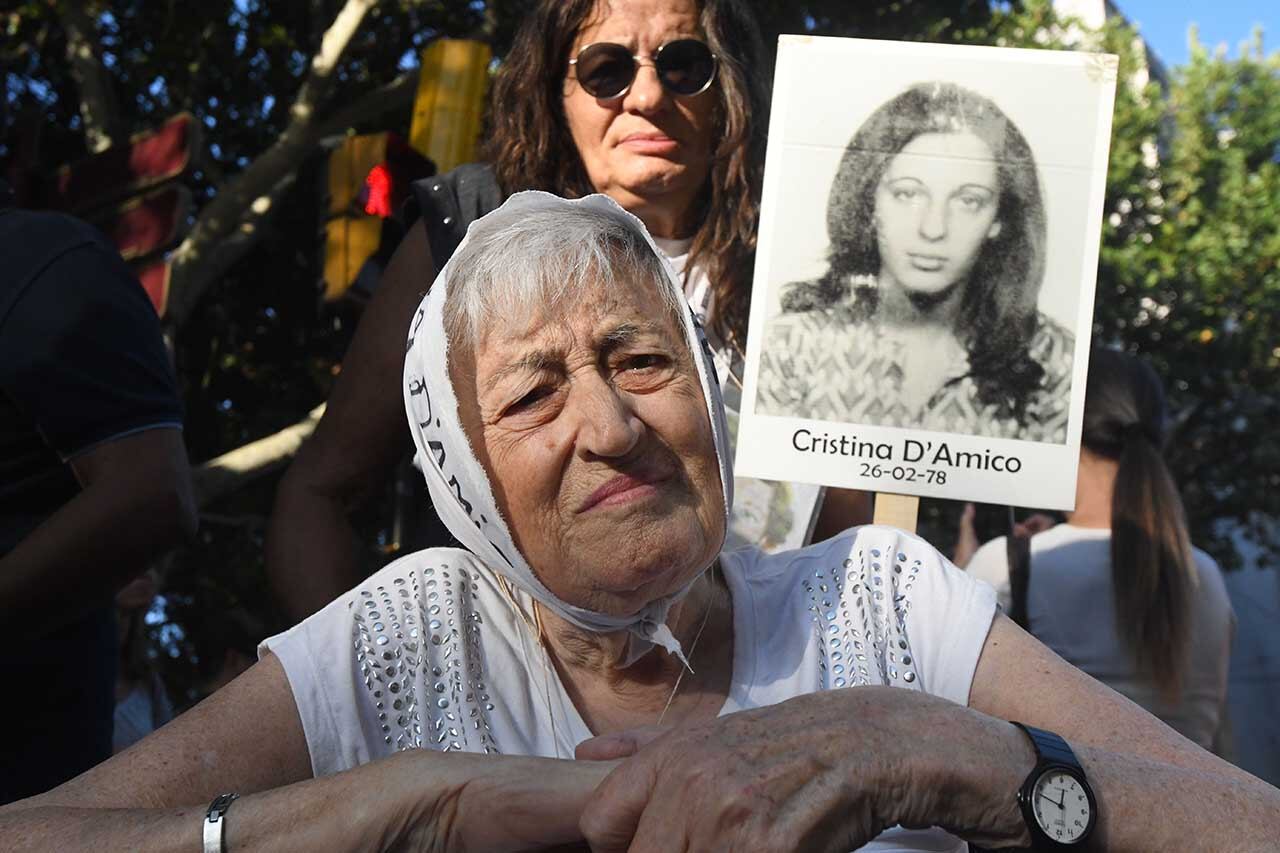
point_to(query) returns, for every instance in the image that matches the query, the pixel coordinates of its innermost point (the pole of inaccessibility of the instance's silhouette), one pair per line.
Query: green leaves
(1189, 266)
(1198, 239)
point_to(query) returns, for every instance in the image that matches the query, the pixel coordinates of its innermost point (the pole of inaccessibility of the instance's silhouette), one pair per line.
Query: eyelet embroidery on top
(855, 628)
(423, 636)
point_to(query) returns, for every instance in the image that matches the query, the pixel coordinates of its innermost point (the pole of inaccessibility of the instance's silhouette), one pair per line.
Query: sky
(1163, 23)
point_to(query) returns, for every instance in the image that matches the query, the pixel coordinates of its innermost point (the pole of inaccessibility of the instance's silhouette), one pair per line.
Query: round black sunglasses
(606, 70)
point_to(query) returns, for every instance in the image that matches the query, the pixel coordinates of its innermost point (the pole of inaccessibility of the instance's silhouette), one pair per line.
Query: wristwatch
(1056, 800)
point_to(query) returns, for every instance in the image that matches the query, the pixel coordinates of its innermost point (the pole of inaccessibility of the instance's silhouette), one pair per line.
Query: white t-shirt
(768, 514)
(431, 652)
(1071, 609)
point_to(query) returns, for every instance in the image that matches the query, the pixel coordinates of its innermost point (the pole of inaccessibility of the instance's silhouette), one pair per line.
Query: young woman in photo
(927, 315)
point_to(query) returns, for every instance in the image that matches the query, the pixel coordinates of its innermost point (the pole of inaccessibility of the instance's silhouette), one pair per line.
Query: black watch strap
(1050, 748)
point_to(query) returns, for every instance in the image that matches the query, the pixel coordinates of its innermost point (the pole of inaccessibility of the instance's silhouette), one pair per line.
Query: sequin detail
(859, 611)
(417, 649)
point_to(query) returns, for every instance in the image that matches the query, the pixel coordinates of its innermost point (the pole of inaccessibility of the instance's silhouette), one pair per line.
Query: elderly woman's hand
(828, 771)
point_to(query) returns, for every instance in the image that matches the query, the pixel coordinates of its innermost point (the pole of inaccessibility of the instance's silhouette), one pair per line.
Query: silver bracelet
(215, 823)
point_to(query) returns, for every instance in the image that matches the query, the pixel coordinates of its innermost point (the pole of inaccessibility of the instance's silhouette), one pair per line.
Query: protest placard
(924, 281)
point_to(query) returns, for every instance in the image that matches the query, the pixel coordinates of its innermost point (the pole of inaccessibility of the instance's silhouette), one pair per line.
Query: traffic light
(369, 178)
(369, 175)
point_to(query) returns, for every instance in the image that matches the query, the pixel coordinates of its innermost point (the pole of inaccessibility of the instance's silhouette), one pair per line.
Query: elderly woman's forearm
(331, 814)
(250, 827)
(1159, 801)
(416, 800)
(1151, 805)
(1143, 804)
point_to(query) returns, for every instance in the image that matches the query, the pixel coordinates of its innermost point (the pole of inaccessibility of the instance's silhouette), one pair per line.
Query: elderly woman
(568, 420)
(657, 103)
(937, 233)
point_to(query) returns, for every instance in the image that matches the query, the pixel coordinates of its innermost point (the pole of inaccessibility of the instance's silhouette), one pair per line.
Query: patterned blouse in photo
(816, 365)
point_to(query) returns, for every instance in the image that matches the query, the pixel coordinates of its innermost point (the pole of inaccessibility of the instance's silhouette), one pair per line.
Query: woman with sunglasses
(655, 103)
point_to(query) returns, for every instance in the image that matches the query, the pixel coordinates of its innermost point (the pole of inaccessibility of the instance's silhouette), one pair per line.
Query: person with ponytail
(1119, 591)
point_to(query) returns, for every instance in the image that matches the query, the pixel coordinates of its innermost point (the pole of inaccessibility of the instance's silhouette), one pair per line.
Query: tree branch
(315, 89)
(390, 97)
(235, 469)
(228, 226)
(215, 244)
(99, 109)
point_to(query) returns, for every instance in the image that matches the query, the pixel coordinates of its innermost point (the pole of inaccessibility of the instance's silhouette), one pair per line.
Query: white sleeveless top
(431, 653)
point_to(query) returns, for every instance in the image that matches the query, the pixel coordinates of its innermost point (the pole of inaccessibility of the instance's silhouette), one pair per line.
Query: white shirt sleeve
(990, 564)
(318, 659)
(394, 664)
(946, 614)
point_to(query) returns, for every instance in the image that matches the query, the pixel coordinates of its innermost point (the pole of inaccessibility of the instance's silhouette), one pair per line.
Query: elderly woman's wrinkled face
(649, 150)
(935, 207)
(594, 430)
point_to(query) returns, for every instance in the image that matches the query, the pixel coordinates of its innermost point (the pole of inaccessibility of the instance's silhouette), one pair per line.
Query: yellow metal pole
(449, 106)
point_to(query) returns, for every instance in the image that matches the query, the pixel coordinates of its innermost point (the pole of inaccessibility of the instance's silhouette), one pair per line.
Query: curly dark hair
(998, 312)
(530, 146)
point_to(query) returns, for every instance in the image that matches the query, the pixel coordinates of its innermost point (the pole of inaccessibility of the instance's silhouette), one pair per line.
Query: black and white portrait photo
(937, 253)
(926, 249)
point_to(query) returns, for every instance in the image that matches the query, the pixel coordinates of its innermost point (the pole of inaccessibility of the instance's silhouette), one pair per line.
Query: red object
(387, 184)
(378, 182)
(154, 277)
(149, 158)
(144, 225)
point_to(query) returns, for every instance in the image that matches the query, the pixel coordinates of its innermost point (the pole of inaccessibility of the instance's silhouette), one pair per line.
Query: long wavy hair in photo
(530, 146)
(998, 310)
(1152, 567)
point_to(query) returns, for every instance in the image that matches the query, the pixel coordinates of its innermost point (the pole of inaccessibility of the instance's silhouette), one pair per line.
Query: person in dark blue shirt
(94, 483)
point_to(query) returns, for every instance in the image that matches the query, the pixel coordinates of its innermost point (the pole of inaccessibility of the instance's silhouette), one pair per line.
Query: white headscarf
(458, 484)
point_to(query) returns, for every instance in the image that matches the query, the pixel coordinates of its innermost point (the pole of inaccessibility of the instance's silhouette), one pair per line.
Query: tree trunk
(98, 107)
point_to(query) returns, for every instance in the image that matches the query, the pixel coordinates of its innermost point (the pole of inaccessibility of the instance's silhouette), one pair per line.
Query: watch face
(1061, 806)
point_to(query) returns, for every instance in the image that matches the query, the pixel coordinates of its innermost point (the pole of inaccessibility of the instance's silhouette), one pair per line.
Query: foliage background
(1189, 273)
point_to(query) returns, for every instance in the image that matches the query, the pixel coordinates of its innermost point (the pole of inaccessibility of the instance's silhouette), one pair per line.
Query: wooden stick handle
(900, 511)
